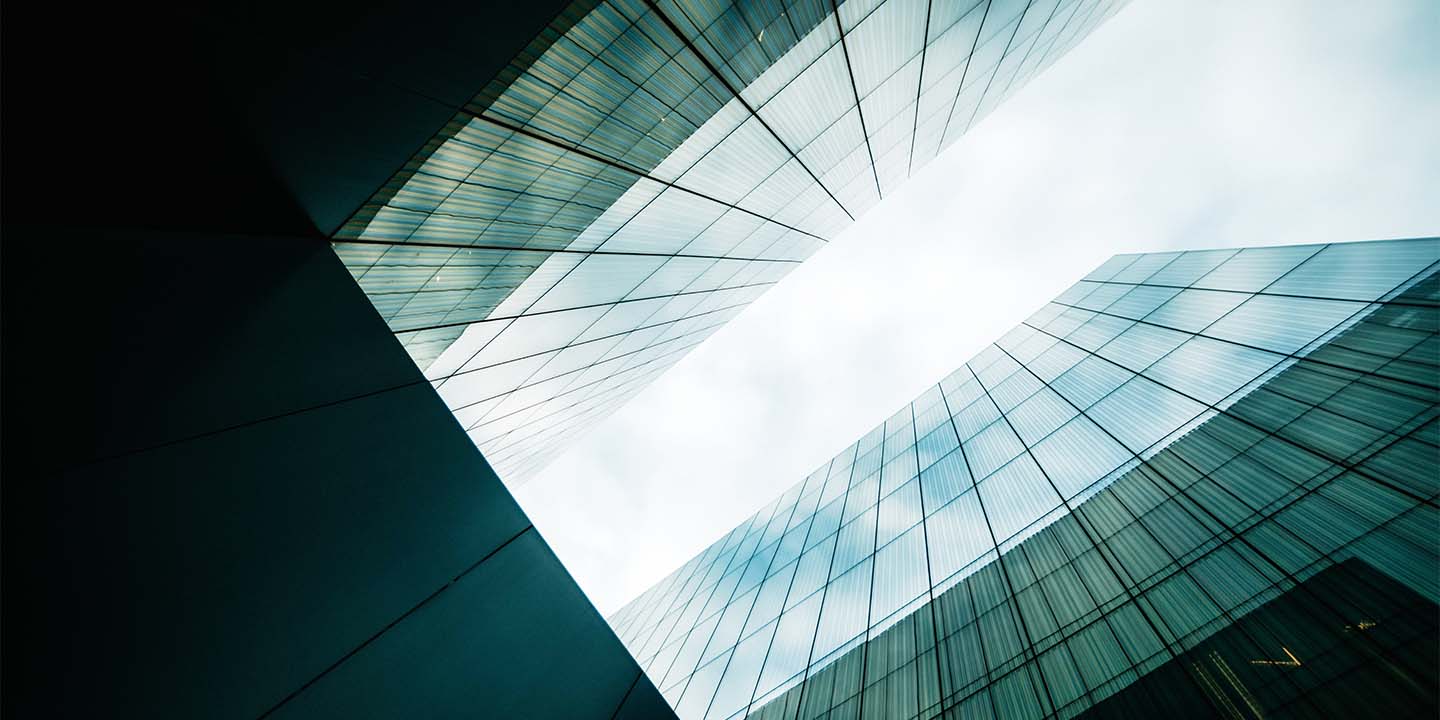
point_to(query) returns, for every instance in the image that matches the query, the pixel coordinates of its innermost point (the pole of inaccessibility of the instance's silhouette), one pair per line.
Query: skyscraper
(229, 492)
(647, 168)
(1196, 484)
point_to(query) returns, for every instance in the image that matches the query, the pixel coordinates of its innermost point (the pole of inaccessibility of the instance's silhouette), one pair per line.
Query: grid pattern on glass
(1171, 443)
(646, 168)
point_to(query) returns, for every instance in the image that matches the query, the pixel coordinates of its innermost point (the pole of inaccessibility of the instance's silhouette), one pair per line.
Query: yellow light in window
(1292, 662)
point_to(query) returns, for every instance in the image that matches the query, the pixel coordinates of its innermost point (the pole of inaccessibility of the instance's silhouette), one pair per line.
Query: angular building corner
(1196, 484)
(644, 169)
(228, 491)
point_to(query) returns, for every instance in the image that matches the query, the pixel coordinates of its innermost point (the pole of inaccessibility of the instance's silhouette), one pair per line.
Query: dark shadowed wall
(227, 490)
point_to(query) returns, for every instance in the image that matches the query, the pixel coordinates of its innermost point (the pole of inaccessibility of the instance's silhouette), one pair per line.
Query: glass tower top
(647, 168)
(1173, 444)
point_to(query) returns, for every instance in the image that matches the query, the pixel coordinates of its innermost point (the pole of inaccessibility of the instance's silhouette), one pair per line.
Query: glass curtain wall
(647, 168)
(1196, 483)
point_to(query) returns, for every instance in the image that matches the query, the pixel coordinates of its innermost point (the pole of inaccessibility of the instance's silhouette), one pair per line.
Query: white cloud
(1176, 125)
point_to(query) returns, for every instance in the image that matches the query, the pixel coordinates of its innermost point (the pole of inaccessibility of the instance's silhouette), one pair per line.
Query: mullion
(919, 88)
(860, 111)
(960, 86)
(1087, 531)
(974, 609)
(500, 449)
(1013, 604)
(785, 601)
(769, 567)
(825, 591)
(929, 572)
(1296, 356)
(744, 103)
(1008, 45)
(1212, 408)
(1266, 514)
(526, 382)
(506, 248)
(620, 333)
(1137, 521)
(989, 80)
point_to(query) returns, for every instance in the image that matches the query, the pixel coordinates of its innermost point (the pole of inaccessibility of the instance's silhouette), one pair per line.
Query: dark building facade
(228, 491)
(249, 503)
(1196, 484)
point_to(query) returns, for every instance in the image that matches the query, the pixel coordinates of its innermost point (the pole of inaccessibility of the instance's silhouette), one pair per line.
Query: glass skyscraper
(1196, 484)
(647, 168)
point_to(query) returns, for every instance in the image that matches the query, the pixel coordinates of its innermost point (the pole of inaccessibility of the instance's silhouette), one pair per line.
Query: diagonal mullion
(669, 23)
(578, 307)
(596, 157)
(850, 72)
(629, 356)
(991, 82)
(566, 250)
(528, 189)
(959, 86)
(1074, 10)
(919, 88)
(602, 338)
(949, 123)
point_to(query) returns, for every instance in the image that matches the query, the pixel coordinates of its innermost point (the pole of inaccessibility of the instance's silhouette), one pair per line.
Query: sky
(1175, 125)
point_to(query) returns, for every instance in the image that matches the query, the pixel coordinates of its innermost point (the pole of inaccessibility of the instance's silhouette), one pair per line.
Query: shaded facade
(1199, 484)
(644, 170)
(288, 523)
(227, 490)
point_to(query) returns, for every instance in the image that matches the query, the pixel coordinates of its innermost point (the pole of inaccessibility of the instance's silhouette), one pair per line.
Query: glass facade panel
(1241, 515)
(663, 164)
